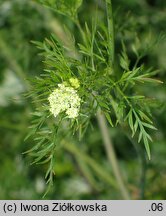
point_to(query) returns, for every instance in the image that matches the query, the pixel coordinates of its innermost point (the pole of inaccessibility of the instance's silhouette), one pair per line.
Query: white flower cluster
(64, 98)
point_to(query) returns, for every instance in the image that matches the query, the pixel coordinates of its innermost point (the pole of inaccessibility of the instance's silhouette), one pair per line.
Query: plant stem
(110, 24)
(111, 154)
(101, 118)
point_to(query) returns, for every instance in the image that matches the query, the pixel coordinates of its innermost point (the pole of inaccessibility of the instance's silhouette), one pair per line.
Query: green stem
(110, 24)
(101, 118)
(111, 154)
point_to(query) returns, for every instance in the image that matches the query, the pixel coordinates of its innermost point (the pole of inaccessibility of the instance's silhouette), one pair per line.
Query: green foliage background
(82, 171)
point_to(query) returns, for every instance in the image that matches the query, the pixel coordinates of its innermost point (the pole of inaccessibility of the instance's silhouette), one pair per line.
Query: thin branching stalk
(111, 154)
(101, 118)
(110, 24)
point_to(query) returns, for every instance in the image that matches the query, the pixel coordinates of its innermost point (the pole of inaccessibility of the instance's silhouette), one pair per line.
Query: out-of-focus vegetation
(82, 170)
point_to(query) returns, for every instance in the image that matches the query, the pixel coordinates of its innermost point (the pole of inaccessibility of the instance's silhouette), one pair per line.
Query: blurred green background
(22, 21)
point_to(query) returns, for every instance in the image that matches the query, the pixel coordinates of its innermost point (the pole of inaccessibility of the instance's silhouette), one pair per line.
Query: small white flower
(72, 112)
(64, 98)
